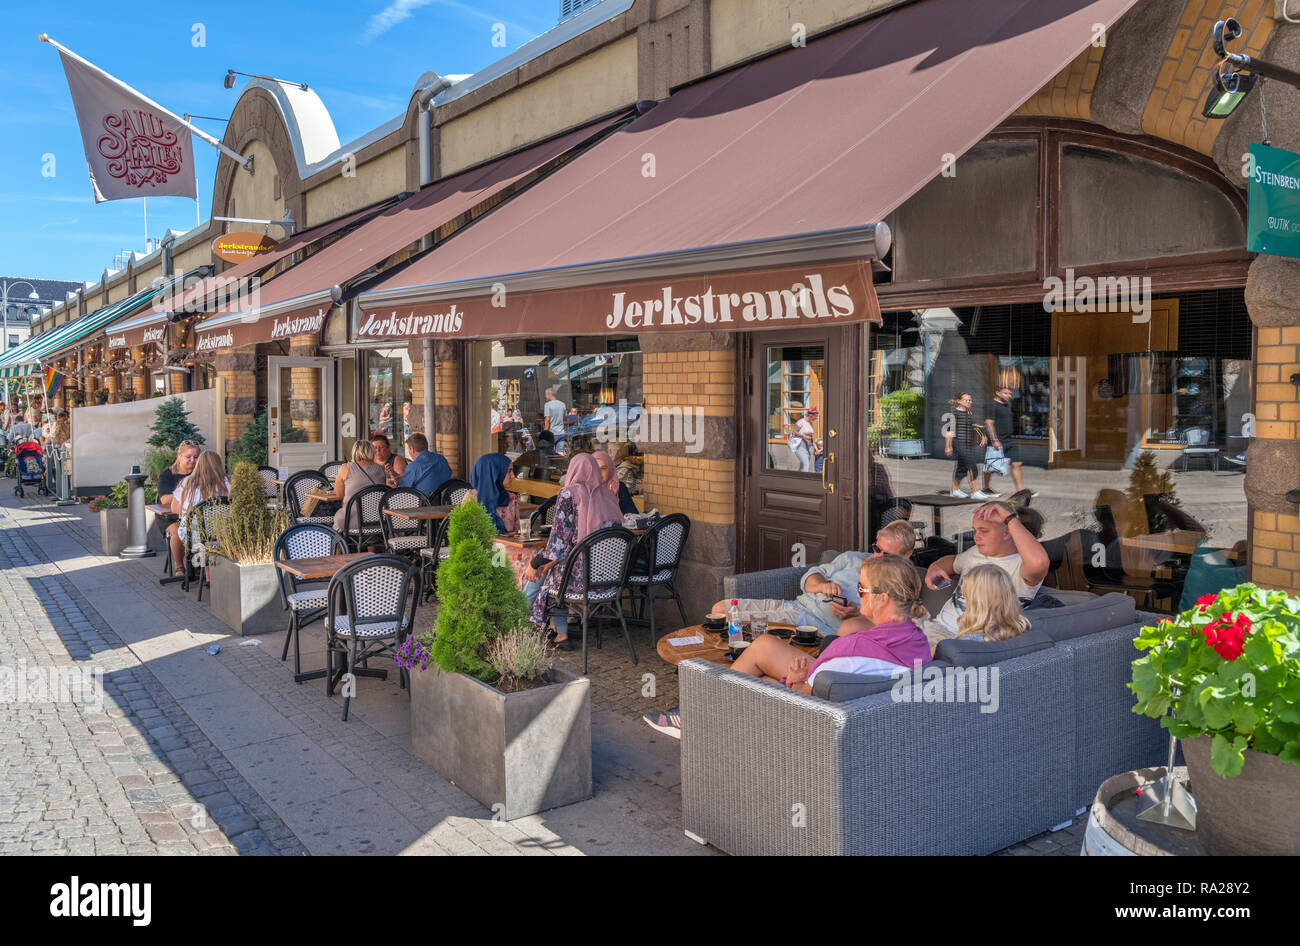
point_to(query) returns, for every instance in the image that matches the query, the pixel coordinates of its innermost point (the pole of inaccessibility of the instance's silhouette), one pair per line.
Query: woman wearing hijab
(582, 507)
(490, 478)
(609, 478)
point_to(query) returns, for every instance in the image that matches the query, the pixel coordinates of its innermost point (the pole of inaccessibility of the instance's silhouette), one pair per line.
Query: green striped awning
(26, 358)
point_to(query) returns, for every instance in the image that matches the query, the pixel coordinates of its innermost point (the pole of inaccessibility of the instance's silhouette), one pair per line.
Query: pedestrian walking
(961, 442)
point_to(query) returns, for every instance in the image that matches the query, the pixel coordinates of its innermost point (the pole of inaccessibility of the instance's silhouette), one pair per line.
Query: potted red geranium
(1229, 669)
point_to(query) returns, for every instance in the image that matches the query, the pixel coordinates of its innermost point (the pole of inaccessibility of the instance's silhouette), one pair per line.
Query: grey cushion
(844, 687)
(1086, 615)
(968, 653)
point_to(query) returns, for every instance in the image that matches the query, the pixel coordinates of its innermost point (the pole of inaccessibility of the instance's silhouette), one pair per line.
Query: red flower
(1227, 634)
(1204, 601)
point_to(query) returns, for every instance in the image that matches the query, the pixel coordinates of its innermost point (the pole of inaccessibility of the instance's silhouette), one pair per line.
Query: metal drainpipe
(425, 102)
(430, 367)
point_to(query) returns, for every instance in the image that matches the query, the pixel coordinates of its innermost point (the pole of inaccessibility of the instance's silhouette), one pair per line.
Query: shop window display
(1130, 433)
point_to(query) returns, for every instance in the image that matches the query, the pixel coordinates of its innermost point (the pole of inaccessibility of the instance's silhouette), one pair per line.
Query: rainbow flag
(53, 379)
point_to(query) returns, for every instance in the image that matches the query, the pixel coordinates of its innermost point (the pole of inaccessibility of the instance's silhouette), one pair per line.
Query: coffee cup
(806, 634)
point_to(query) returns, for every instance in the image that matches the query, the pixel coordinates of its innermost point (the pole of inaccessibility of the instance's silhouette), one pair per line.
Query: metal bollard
(65, 476)
(137, 532)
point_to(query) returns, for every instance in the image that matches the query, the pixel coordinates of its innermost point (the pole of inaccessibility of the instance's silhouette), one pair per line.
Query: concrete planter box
(528, 751)
(114, 532)
(246, 597)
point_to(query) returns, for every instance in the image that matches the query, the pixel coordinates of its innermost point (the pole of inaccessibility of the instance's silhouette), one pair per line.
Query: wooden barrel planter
(1113, 827)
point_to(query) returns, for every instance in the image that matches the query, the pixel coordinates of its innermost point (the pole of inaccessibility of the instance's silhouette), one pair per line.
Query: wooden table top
(512, 540)
(421, 512)
(1182, 541)
(714, 647)
(325, 566)
(941, 499)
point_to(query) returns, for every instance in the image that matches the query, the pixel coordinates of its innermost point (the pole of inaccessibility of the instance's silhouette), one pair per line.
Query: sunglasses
(868, 591)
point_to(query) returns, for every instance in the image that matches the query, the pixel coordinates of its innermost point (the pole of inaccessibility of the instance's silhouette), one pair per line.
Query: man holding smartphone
(830, 590)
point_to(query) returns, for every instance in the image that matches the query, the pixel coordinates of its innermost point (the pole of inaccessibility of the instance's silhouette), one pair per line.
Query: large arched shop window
(1116, 207)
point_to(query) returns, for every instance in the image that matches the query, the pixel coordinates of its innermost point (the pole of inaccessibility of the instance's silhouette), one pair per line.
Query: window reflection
(795, 378)
(1131, 433)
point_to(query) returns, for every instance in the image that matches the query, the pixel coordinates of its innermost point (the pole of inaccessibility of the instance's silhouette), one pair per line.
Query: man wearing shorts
(1000, 429)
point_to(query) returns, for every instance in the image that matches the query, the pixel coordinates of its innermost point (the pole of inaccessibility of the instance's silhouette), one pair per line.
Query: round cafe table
(714, 646)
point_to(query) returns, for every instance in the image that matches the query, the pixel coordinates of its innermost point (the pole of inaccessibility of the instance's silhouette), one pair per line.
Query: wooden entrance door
(799, 496)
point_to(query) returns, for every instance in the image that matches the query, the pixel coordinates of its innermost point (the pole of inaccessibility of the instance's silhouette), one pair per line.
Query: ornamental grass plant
(247, 535)
(1228, 668)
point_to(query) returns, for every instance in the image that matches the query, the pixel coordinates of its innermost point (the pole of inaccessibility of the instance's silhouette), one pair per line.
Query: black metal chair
(434, 553)
(305, 600)
(371, 608)
(401, 536)
(296, 489)
(201, 537)
(451, 493)
(269, 474)
(600, 562)
(663, 545)
(331, 470)
(361, 517)
(543, 515)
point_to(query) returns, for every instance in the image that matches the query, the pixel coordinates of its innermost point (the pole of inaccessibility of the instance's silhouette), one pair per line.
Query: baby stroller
(31, 467)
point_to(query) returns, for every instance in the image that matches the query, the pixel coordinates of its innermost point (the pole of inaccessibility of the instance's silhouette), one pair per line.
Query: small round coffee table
(713, 647)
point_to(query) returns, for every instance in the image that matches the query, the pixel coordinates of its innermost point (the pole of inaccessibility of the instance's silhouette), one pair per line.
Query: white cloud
(400, 10)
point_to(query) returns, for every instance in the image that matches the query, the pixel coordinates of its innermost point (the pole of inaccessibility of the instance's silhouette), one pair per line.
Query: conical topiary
(479, 598)
(172, 425)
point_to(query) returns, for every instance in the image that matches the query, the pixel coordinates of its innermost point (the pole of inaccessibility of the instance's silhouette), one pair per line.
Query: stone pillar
(415, 351)
(694, 374)
(447, 437)
(1273, 458)
(140, 382)
(111, 385)
(239, 371)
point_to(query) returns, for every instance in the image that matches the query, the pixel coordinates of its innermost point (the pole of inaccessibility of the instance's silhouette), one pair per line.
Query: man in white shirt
(1000, 539)
(553, 410)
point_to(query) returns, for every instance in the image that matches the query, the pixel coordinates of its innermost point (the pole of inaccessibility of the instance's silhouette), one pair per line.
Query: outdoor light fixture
(231, 73)
(1236, 73)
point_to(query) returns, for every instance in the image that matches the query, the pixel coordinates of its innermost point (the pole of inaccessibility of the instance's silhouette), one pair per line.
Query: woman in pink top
(884, 638)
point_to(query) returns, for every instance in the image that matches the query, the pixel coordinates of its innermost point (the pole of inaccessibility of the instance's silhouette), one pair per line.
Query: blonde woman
(208, 481)
(169, 482)
(363, 471)
(992, 608)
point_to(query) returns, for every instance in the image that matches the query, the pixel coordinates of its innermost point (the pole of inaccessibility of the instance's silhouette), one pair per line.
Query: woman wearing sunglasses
(883, 639)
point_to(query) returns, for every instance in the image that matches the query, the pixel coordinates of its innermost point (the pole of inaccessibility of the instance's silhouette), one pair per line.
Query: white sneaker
(960, 494)
(991, 493)
(980, 494)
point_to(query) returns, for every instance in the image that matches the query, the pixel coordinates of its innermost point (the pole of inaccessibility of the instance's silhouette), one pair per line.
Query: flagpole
(145, 202)
(244, 162)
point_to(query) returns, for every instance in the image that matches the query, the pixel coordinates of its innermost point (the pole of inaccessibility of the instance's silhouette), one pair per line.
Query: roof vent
(571, 8)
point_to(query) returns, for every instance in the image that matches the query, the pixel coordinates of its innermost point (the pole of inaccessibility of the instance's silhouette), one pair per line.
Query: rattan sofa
(766, 770)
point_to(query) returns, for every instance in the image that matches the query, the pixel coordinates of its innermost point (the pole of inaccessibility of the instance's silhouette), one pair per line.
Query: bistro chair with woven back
(296, 490)
(201, 538)
(361, 518)
(403, 536)
(543, 515)
(269, 475)
(305, 599)
(655, 564)
(371, 610)
(331, 470)
(451, 493)
(599, 564)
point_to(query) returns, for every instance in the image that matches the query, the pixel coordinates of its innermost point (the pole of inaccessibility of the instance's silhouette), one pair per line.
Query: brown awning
(792, 159)
(296, 301)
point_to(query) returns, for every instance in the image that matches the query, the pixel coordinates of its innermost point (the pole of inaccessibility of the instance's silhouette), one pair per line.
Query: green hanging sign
(1273, 220)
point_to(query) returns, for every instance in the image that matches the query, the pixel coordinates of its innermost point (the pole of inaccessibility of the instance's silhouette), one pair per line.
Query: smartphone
(942, 583)
(837, 599)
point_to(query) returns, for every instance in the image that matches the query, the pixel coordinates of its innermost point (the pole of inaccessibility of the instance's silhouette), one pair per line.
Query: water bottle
(735, 629)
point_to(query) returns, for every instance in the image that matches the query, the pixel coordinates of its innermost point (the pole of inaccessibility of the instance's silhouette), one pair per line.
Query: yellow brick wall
(1069, 95)
(1275, 542)
(701, 488)
(238, 384)
(446, 390)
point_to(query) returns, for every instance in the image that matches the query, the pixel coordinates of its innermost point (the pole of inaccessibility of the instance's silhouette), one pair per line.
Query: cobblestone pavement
(193, 753)
(126, 774)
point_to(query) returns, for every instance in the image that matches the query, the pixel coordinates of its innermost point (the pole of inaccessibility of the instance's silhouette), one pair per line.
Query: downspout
(430, 420)
(424, 104)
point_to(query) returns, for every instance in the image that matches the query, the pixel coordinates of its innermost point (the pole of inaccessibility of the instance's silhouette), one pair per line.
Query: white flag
(134, 148)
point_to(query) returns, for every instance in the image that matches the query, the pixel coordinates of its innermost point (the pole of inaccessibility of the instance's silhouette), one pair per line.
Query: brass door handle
(827, 460)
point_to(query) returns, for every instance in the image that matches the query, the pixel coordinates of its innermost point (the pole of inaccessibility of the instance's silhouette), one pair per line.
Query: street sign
(1273, 220)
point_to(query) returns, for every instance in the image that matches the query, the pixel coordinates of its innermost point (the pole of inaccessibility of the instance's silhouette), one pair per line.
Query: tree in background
(172, 425)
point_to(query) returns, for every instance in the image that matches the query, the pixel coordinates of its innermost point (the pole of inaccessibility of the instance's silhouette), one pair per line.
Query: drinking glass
(525, 529)
(758, 624)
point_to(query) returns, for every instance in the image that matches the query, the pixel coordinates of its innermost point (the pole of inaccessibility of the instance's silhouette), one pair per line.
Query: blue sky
(362, 58)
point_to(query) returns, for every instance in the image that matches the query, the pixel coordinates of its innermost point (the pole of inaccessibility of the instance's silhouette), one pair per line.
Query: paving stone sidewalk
(225, 754)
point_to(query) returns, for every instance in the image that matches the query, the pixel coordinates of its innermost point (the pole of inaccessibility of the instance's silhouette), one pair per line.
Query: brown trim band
(834, 293)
